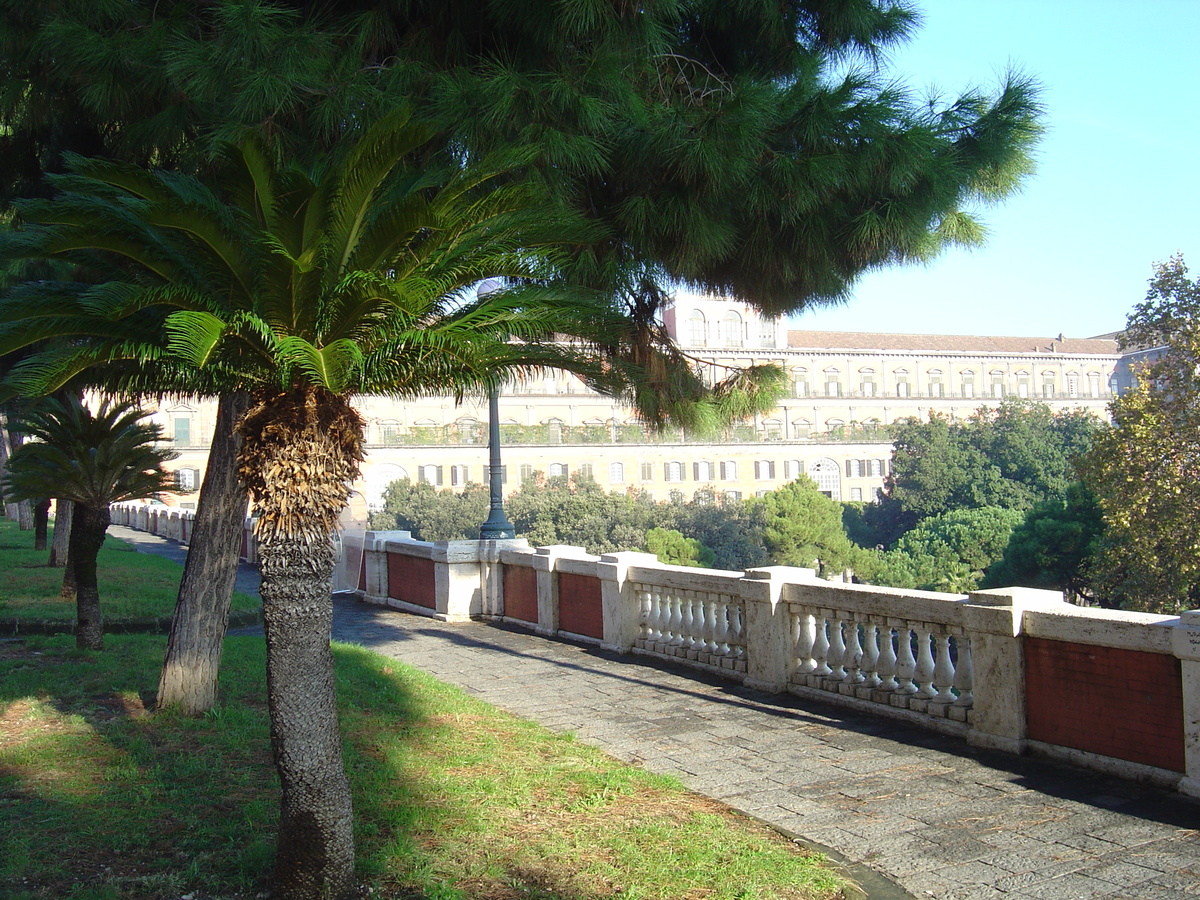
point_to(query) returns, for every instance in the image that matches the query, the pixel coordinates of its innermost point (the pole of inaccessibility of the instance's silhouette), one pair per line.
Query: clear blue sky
(1118, 181)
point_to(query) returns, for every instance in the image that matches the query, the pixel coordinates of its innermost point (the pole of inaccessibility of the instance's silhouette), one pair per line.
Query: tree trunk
(11, 510)
(300, 453)
(87, 535)
(41, 523)
(189, 673)
(61, 544)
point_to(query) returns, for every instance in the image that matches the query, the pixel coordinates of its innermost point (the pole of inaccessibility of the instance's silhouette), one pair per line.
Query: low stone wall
(173, 524)
(1013, 669)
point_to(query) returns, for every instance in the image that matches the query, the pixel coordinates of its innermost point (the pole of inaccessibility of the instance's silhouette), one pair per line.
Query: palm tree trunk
(61, 544)
(41, 523)
(88, 527)
(300, 454)
(189, 673)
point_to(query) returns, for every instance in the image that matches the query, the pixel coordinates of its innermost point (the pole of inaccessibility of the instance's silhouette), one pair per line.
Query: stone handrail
(1013, 669)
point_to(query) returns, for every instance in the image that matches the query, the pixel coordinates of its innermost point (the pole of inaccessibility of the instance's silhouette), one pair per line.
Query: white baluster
(821, 647)
(964, 672)
(661, 610)
(837, 649)
(854, 654)
(737, 624)
(674, 625)
(870, 657)
(924, 673)
(887, 660)
(806, 632)
(687, 621)
(943, 670)
(644, 612)
(721, 631)
(906, 665)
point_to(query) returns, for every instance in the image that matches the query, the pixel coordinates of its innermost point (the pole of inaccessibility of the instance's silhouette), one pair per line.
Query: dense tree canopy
(1011, 456)
(1054, 546)
(803, 527)
(1146, 469)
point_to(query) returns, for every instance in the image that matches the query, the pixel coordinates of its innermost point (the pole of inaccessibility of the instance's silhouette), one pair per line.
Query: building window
(554, 429)
(854, 468)
(1072, 385)
(647, 471)
(935, 385)
(827, 474)
(183, 431)
(801, 385)
(187, 480)
(526, 472)
(430, 474)
(902, 388)
(792, 469)
(458, 475)
(1022, 385)
(728, 470)
(764, 469)
(702, 471)
(833, 388)
(766, 333)
(585, 472)
(836, 429)
(1093, 384)
(997, 384)
(802, 428)
(733, 495)
(468, 431)
(558, 470)
(616, 473)
(1048, 384)
(731, 330)
(697, 329)
(856, 494)
(675, 496)
(968, 384)
(673, 471)
(875, 468)
(773, 430)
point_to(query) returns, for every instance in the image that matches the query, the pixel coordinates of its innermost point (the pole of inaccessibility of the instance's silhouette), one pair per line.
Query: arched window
(702, 471)
(558, 469)
(731, 330)
(187, 479)
(430, 474)
(764, 469)
(854, 468)
(766, 333)
(377, 478)
(792, 469)
(828, 476)
(673, 471)
(616, 473)
(697, 329)
(728, 470)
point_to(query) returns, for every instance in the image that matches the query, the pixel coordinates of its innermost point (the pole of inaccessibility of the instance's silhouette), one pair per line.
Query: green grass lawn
(132, 585)
(102, 798)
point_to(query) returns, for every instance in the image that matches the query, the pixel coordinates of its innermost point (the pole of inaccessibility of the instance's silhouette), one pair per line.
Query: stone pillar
(622, 614)
(770, 650)
(545, 563)
(994, 622)
(375, 563)
(491, 572)
(1186, 644)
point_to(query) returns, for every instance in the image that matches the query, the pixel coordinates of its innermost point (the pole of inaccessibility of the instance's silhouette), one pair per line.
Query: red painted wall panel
(1127, 704)
(411, 579)
(520, 593)
(580, 609)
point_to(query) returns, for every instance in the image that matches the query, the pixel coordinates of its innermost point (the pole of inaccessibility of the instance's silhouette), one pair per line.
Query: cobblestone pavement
(936, 817)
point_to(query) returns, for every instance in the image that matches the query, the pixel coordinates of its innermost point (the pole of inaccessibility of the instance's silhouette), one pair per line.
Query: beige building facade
(846, 388)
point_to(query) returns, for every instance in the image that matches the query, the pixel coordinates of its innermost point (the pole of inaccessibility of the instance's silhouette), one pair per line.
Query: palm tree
(93, 460)
(303, 288)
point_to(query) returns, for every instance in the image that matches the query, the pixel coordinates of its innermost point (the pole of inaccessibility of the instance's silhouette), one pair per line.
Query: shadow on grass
(104, 799)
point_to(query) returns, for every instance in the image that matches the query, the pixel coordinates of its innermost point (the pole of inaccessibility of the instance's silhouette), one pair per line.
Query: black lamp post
(497, 527)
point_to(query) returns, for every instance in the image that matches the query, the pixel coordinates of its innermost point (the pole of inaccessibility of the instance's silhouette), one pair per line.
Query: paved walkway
(938, 818)
(932, 815)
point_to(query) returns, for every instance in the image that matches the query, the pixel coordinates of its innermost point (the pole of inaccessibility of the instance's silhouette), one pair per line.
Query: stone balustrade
(173, 524)
(1012, 669)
